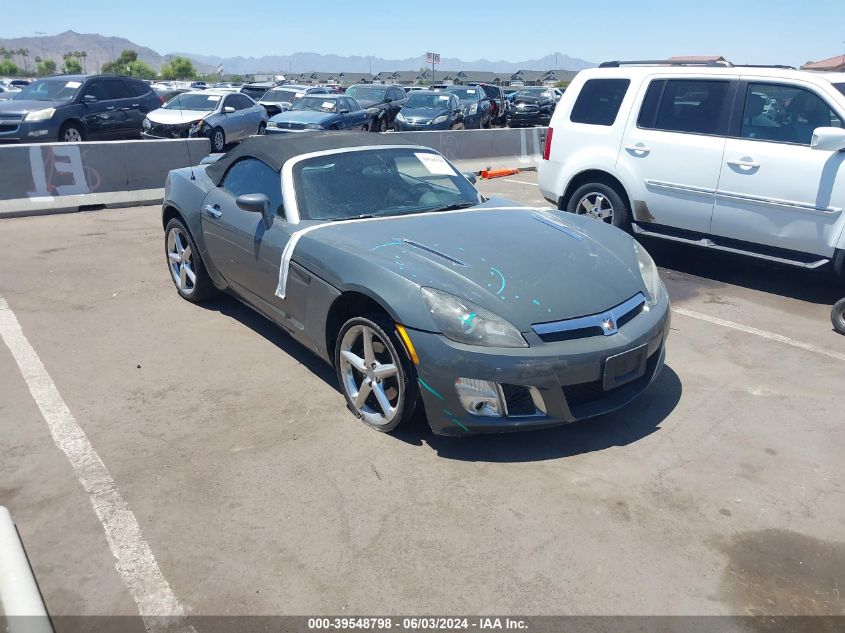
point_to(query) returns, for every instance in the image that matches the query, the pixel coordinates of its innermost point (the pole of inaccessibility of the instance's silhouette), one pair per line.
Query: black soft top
(277, 149)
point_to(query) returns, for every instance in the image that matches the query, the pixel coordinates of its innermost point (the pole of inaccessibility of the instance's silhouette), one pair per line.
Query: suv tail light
(548, 148)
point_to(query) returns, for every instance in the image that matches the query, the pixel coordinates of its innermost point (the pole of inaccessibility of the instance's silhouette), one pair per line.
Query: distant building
(834, 64)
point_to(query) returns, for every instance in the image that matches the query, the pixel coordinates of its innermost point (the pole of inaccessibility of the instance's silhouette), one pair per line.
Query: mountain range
(101, 49)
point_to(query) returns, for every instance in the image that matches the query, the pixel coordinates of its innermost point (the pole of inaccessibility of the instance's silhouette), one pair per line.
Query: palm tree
(24, 53)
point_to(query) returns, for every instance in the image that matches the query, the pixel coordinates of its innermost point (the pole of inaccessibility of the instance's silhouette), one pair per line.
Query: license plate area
(625, 367)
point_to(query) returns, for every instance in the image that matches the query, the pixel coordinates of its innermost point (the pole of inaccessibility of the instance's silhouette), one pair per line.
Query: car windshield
(428, 101)
(193, 101)
(315, 104)
(532, 93)
(379, 182)
(256, 92)
(366, 93)
(466, 94)
(280, 96)
(49, 90)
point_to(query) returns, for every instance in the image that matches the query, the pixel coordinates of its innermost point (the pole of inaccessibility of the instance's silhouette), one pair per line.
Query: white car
(741, 159)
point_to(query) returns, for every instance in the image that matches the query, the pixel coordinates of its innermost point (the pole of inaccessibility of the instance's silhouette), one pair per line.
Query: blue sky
(754, 31)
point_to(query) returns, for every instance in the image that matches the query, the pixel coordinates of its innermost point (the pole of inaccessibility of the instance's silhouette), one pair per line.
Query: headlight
(373, 110)
(464, 322)
(441, 119)
(313, 126)
(40, 115)
(147, 125)
(197, 126)
(472, 109)
(648, 270)
(400, 117)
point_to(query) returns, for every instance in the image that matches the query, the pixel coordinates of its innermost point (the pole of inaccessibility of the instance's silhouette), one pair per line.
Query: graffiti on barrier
(58, 170)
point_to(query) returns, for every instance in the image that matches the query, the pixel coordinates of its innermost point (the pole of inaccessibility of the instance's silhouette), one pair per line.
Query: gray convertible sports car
(382, 258)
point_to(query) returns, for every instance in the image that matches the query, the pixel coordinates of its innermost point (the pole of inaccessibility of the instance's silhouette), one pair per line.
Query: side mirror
(228, 109)
(470, 175)
(829, 139)
(344, 111)
(256, 203)
(89, 99)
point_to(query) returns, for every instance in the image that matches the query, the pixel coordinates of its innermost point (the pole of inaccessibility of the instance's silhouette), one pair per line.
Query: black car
(381, 102)
(531, 106)
(256, 90)
(430, 110)
(498, 104)
(75, 108)
(476, 105)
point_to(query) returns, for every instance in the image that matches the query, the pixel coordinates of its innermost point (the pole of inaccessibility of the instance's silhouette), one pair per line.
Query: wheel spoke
(356, 361)
(383, 401)
(183, 275)
(363, 393)
(186, 254)
(369, 354)
(190, 274)
(174, 257)
(588, 208)
(385, 371)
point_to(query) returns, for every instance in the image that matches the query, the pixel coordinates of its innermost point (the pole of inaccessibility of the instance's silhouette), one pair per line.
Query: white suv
(741, 159)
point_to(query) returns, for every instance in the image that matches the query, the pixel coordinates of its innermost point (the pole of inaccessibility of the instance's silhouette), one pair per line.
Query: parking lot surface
(717, 492)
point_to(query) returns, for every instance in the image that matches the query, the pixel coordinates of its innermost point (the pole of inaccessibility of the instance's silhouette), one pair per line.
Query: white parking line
(519, 182)
(763, 333)
(134, 560)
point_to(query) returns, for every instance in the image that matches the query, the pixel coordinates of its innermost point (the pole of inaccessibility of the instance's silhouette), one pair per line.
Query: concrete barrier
(474, 150)
(62, 177)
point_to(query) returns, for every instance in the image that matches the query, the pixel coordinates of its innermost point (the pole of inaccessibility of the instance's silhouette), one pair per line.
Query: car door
(356, 117)
(247, 254)
(233, 122)
(130, 105)
(775, 189)
(671, 152)
(99, 113)
(398, 98)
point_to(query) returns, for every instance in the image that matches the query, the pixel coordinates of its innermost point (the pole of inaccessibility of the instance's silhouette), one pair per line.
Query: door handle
(213, 211)
(639, 148)
(744, 163)
(136, 105)
(109, 108)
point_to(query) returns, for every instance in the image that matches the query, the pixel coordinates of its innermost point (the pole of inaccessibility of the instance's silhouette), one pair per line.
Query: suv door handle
(639, 148)
(213, 211)
(109, 108)
(136, 105)
(743, 163)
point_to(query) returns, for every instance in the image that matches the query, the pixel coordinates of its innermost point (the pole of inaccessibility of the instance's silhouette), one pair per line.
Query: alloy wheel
(180, 260)
(597, 206)
(72, 135)
(217, 141)
(370, 375)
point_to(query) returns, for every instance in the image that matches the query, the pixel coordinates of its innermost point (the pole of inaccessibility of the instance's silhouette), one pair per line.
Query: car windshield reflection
(374, 183)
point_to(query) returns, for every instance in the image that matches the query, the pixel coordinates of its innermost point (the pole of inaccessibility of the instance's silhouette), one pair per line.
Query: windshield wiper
(353, 217)
(454, 207)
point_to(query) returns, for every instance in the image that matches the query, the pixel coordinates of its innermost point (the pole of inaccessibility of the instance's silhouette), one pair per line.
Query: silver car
(220, 116)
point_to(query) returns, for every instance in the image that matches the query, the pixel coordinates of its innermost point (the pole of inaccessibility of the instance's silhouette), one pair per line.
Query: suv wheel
(837, 316)
(600, 202)
(71, 133)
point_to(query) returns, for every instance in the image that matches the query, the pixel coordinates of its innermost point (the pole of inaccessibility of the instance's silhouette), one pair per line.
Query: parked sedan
(476, 106)
(387, 263)
(531, 106)
(256, 90)
(320, 112)
(221, 116)
(279, 99)
(430, 111)
(382, 102)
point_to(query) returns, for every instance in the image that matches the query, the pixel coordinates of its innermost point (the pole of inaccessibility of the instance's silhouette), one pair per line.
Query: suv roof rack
(680, 62)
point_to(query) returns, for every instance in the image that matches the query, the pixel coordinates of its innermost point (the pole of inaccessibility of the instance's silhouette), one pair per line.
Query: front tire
(262, 129)
(601, 202)
(837, 316)
(380, 125)
(218, 140)
(376, 378)
(186, 267)
(71, 133)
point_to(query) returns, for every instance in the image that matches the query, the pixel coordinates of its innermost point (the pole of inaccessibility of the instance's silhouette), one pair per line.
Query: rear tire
(837, 316)
(398, 390)
(183, 260)
(602, 202)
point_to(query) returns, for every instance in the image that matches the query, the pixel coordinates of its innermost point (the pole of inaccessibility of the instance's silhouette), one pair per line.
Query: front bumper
(567, 374)
(409, 126)
(516, 118)
(17, 130)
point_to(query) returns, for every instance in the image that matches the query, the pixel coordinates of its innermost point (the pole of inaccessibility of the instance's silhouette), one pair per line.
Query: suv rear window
(695, 106)
(599, 100)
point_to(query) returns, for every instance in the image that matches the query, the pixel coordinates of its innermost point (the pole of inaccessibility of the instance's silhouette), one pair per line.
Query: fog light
(38, 133)
(480, 397)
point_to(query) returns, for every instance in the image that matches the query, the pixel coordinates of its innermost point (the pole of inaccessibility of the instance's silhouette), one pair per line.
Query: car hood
(526, 100)
(17, 106)
(302, 116)
(577, 266)
(423, 114)
(175, 116)
(369, 103)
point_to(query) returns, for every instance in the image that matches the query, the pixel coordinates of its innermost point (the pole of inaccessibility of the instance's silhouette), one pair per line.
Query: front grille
(591, 325)
(288, 125)
(10, 123)
(169, 131)
(518, 400)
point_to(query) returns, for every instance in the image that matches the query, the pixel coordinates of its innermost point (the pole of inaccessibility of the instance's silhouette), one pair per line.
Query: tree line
(74, 62)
